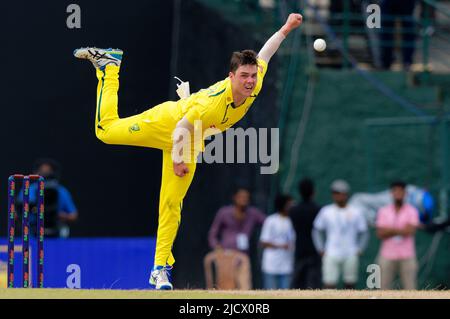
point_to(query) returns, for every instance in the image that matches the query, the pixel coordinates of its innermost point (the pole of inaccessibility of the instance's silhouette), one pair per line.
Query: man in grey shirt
(346, 237)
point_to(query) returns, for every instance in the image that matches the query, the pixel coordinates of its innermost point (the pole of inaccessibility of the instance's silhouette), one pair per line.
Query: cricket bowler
(163, 126)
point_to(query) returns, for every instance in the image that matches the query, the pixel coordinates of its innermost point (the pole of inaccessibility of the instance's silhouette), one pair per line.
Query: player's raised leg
(148, 129)
(107, 99)
(107, 65)
(173, 190)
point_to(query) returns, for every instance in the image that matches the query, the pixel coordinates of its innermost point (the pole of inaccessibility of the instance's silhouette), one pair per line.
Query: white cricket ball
(320, 45)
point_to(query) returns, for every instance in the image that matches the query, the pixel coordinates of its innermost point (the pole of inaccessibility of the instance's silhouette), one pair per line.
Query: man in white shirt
(278, 241)
(346, 237)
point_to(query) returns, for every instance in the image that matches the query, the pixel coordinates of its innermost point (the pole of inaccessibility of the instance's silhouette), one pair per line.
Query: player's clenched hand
(294, 21)
(180, 169)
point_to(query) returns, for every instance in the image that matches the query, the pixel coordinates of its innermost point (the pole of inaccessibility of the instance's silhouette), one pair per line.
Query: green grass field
(19, 293)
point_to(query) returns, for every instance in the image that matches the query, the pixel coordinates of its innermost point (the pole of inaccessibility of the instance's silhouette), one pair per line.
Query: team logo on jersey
(134, 128)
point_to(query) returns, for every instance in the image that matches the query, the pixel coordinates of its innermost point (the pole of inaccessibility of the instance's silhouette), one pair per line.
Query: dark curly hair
(245, 57)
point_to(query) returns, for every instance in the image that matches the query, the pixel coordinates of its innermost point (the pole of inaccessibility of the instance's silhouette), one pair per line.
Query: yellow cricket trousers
(152, 128)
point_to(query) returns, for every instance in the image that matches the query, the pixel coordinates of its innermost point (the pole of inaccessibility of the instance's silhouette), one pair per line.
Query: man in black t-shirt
(308, 263)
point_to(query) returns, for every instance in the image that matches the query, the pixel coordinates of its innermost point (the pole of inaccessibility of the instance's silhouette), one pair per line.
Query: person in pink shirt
(396, 227)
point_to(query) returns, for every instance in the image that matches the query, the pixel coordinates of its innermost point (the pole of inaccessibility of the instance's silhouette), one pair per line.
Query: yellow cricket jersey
(214, 106)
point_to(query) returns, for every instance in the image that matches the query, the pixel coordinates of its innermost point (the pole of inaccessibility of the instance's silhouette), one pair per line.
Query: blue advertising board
(88, 263)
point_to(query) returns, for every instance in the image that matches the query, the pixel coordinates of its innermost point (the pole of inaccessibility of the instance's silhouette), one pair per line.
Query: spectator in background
(60, 210)
(392, 10)
(396, 226)
(308, 263)
(278, 240)
(234, 224)
(346, 236)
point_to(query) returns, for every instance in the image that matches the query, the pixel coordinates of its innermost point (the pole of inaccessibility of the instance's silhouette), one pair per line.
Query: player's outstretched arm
(182, 128)
(271, 46)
